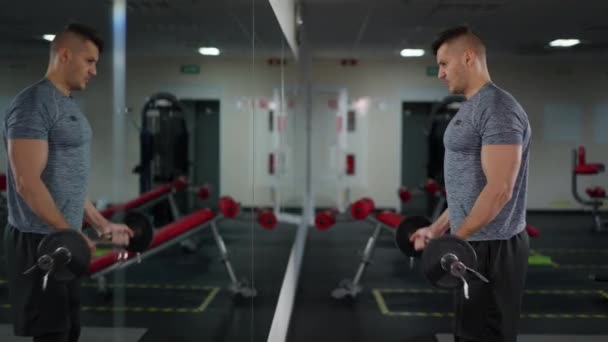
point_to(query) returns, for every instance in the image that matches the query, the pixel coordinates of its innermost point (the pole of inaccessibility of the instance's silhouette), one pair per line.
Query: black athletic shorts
(36, 312)
(491, 313)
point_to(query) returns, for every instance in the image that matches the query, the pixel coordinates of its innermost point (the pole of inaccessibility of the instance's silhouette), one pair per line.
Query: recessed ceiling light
(412, 53)
(209, 51)
(48, 37)
(564, 42)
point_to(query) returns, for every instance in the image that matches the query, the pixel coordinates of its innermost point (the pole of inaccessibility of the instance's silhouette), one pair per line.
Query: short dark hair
(86, 33)
(450, 34)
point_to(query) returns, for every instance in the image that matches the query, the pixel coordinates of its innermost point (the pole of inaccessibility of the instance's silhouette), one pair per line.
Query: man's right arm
(28, 158)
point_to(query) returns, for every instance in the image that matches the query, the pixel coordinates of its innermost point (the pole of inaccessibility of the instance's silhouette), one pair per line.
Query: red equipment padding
(582, 168)
(532, 231)
(228, 206)
(350, 164)
(431, 187)
(148, 196)
(405, 195)
(589, 169)
(582, 158)
(204, 192)
(142, 199)
(596, 192)
(179, 227)
(180, 184)
(390, 218)
(267, 219)
(162, 235)
(362, 208)
(325, 219)
(2, 182)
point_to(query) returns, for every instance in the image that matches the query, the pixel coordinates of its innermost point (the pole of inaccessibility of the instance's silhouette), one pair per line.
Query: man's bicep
(501, 163)
(27, 157)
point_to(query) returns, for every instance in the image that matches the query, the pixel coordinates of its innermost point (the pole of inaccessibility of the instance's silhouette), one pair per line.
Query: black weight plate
(406, 228)
(143, 231)
(79, 250)
(436, 249)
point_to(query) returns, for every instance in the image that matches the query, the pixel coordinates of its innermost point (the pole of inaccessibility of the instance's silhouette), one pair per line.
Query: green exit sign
(432, 71)
(190, 69)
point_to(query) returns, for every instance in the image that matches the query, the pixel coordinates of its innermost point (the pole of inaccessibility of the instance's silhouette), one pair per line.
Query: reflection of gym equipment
(359, 210)
(596, 194)
(439, 119)
(182, 229)
(171, 234)
(151, 198)
(164, 142)
(432, 189)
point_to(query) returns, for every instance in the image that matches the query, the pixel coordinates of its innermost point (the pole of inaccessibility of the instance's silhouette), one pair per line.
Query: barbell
(446, 260)
(65, 255)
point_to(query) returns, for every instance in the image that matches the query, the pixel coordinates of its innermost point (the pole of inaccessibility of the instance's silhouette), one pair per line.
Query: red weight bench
(154, 196)
(176, 232)
(146, 199)
(164, 238)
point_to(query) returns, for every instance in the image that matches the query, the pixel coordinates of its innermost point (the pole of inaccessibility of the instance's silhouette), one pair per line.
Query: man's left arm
(500, 165)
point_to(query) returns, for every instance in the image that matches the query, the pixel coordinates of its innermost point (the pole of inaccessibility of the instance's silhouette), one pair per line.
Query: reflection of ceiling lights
(49, 37)
(412, 53)
(209, 51)
(564, 42)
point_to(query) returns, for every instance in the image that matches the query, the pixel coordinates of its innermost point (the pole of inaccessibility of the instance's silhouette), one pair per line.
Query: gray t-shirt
(42, 112)
(490, 117)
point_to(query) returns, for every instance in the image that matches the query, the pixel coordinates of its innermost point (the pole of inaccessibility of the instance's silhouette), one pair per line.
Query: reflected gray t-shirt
(490, 117)
(43, 112)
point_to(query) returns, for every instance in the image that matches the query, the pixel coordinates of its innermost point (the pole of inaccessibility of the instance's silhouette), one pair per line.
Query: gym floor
(177, 296)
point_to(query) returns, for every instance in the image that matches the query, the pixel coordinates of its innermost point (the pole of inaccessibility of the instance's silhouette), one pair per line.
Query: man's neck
(58, 82)
(476, 85)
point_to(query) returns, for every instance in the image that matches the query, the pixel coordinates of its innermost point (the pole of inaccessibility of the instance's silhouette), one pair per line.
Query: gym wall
(534, 82)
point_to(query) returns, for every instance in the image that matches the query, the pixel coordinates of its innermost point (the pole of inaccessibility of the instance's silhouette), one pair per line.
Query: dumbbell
(65, 254)
(202, 192)
(430, 187)
(230, 209)
(326, 218)
(359, 210)
(445, 260)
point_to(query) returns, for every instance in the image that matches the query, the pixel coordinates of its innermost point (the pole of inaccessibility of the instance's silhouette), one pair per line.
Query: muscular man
(48, 140)
(486, 174)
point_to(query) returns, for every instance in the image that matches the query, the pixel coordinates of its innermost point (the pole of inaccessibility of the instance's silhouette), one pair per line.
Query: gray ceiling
(336, 28)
